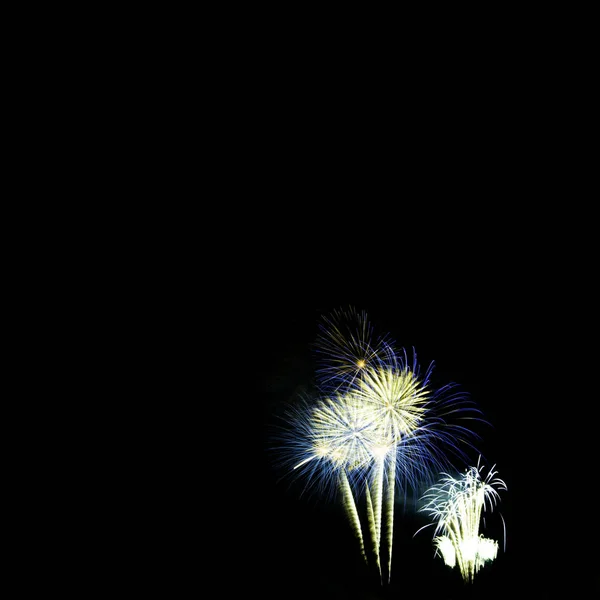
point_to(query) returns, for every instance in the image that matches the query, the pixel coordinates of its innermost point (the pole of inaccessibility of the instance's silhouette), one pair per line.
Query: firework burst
(331, 445)
(457, 505)
(345, 346)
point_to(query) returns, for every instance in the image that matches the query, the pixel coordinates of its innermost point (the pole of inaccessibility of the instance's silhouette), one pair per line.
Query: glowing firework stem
(373, 528)
(391, 478)
(378, 491)
(351, 511)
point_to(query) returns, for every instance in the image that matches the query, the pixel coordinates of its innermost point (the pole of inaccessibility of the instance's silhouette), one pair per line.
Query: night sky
(487, 330)
(461, 221)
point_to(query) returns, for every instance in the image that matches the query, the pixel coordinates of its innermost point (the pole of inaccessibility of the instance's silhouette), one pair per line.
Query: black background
(455, 220)
(449, 197)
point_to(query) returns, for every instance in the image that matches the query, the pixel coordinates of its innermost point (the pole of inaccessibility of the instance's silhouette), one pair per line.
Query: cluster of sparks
(457, 504)
(378, 426)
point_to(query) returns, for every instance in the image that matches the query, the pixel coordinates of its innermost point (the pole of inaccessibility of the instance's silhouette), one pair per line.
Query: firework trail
(377, 502)
(390, 510)
(372, 528)
(351, 511)
(457, 505)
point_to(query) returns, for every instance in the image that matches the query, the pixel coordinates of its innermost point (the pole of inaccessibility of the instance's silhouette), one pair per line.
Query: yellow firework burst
(396, 401)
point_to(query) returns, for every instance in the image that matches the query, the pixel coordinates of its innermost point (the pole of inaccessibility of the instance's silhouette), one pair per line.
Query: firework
(345, 346)
(379, 427)
(394, 403)
(412, 435)
(457, 505)
(331, 445)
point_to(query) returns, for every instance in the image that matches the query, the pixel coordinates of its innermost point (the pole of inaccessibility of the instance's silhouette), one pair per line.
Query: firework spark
(457, 505)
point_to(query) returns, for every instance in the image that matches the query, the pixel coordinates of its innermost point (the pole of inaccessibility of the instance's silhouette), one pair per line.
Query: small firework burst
(345, 346)
(457, 505)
